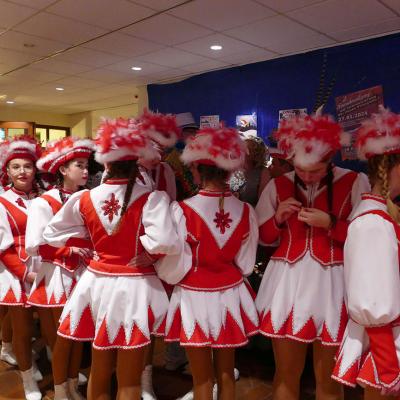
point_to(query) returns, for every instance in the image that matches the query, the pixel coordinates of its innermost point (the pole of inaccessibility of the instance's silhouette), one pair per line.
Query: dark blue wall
(289, 82)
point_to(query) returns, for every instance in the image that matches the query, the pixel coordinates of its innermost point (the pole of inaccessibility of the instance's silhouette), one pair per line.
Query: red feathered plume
(161, 128)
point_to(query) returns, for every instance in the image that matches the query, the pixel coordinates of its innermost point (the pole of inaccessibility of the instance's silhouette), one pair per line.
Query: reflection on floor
(255, 364)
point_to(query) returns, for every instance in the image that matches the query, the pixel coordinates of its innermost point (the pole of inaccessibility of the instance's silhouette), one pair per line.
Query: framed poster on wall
(352, 109)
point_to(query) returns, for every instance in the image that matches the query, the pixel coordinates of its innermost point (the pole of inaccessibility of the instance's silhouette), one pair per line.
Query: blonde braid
(382, 175)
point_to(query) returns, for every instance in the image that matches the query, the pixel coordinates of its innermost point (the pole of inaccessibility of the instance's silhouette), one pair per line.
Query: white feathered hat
(222, 147)
(379, 134)
(307, 140)
(63, 150)
(20, 147)
(160, 128)
(120, 139)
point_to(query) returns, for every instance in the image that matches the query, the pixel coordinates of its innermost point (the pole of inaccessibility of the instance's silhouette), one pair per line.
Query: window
(47, 133)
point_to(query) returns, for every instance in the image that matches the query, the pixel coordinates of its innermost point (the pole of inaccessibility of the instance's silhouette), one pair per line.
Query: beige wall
(82, 124)
(13, 114)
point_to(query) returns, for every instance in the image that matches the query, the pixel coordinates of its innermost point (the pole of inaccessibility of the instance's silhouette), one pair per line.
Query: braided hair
(379, 168)
(123, 169)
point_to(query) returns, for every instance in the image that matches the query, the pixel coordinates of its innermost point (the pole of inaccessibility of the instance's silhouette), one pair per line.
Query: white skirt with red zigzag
(13, 292)
(355, 363)
(53, 285)
(304, 301)
(217, 319)
(115, 312)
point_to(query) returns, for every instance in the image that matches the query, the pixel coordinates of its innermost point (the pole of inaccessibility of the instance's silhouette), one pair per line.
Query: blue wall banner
(284, 83)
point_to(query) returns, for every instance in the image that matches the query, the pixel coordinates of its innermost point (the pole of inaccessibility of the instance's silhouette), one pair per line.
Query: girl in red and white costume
(163, 132)
(370, 351)
(211, 310)
(60, 268)
(306, 213)
(115, 304)
(17, 269)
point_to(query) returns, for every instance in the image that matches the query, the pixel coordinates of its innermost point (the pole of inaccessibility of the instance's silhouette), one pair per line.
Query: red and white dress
(113, 304)
(302, 294)
(370, 351)
(59, 270)
(14, 262)
(211, 304)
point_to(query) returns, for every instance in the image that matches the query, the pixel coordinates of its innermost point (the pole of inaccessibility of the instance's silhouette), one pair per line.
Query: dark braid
(123, 169)
(296, 193)
(329, 188)
(129, 188)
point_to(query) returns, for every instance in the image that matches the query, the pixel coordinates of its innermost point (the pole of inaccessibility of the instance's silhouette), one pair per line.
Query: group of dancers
(122, 262)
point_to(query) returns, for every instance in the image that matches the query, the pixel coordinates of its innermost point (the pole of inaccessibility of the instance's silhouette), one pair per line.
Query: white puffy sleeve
(160, 234)
(265, 210)
(361, 185)
(6, 236)
(40, 214)
(371, 270)
(173, 268)
(267, 203)
(67, 227)
(246, 256)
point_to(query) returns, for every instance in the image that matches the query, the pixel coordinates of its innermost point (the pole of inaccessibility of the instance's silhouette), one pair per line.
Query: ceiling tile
(110, 14)
(393, 4)
(171, 73)
(287, 5)
(16, 41)
(5, 67)
(229, 46)
(49, 90)
(30, 74)
(89, 57)
(61, 67)
(359, 32)
(222, 14)
(206, 66)
(158, 4)
(279, 34)
(248, 57)
(16, 58)
(171, 57)
(336, 15)
(123, 45)
(167, 29)
(126, 65)
(303, 43)
(12, 14)
(105, 75)
(58, 28)
(38, 4)
(74, 81)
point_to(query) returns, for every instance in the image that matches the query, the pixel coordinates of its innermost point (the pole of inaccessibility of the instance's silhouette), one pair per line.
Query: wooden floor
(255, 364)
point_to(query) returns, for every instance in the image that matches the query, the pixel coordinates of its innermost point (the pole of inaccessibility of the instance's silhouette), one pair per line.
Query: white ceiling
(89, 46)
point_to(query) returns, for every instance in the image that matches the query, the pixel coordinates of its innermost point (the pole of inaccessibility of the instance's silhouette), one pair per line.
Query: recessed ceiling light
(216, 47)
(10, 102)
(137, 68)
(60, 89)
